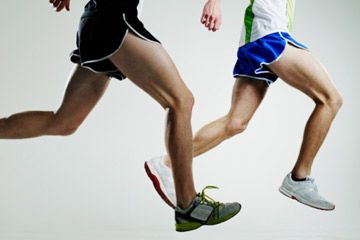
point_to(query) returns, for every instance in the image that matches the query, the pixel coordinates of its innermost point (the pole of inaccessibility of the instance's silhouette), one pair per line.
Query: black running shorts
(102, 30)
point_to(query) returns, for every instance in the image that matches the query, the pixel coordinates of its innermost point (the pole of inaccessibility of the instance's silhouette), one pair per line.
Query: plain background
(92, 185)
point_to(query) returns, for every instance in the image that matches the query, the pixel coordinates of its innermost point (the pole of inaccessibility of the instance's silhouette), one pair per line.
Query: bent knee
(183, 102)
(337, 101)
(63, 127)
(333, 101)
(67, 130)
(235, 125)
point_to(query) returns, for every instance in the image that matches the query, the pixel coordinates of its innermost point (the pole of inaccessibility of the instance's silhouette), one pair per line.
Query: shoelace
(203, 198)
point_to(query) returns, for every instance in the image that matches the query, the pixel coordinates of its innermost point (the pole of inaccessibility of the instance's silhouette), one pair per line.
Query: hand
(60, 4)
(211, 16)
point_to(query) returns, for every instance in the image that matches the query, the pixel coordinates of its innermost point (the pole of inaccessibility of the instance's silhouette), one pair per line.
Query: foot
(162, 179)
(204, 211)
(305, 192)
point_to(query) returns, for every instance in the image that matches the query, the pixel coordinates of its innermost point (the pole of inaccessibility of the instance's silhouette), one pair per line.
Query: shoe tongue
(309, 178)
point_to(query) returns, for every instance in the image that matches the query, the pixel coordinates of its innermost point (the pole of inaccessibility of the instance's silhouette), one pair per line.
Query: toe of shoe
(325, 205)
(321, 204)
(231, 209)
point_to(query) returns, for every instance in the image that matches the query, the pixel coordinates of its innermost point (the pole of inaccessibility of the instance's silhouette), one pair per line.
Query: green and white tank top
(263, 17)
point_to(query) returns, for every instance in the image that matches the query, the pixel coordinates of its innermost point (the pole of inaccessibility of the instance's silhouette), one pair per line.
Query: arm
(211, 15)
(59, 5)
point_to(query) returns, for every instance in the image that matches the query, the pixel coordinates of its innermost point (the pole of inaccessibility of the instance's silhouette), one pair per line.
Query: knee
(336, 101)
(183, 102)
(235, 125)
(63, 127)
(67, 130)
(333, 102)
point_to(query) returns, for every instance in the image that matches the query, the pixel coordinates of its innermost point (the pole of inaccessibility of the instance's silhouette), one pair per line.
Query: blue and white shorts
(254, 57)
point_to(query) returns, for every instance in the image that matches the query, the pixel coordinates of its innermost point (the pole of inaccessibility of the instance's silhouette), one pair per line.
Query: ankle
(167, 161)
(185, 203)
(297, 175)
(296, 179)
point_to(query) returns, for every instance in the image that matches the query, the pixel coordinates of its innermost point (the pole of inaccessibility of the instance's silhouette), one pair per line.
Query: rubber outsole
(157, 186)
(186, 227)
(294, 198)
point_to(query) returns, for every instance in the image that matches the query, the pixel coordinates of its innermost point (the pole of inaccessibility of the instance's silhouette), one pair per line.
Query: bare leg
(148, 65)
(246, 98)
(84, 90)
(310, 77)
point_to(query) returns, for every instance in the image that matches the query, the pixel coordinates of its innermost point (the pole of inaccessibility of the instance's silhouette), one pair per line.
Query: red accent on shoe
(157, 187)
(294, 198)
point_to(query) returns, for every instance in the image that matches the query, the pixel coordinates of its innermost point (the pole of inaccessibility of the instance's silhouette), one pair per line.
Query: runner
(113, 42)
(268, 51)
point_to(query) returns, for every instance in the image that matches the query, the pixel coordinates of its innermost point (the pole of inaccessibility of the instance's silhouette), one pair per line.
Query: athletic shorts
(102, 30)
(254, 57)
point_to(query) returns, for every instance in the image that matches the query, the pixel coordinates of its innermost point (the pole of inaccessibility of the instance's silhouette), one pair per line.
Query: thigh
(246, 98)
(83, 91)
(148, 65)
(300, 69)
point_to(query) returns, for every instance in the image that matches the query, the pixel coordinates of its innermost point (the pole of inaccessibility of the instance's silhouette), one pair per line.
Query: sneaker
(162, 179)
(305, 192)
(204, 211)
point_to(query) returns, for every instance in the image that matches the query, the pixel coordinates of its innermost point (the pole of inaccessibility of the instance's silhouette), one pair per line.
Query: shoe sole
(186, 227)
(289, 195)
(157, 185)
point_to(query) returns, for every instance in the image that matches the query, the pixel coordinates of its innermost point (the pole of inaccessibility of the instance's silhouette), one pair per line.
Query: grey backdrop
(92, 185)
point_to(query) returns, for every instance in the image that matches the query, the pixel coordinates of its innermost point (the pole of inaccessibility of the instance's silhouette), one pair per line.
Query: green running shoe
(204, 211)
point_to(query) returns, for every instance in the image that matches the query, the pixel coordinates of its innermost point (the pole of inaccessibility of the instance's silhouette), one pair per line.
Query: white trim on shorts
(137, 33)
(268, 82)
(257, 71)
(111, 54)
(122, 42)
(87, 67)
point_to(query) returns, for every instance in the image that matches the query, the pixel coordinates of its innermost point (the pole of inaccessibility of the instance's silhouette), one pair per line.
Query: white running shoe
(162, 179)
(305, 192)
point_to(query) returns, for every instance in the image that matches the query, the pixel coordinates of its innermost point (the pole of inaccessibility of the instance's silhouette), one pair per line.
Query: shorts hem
(272, 53)
(136, 32)
(87, 64)
(268, 82)
(287, 41)
(109, 55)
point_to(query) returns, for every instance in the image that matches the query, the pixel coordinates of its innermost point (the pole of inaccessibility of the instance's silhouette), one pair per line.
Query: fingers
(67, 5)
(56, 3)
(211, 16)
(59, 5)
(204, 18)
(210, 22)
(217, 25)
